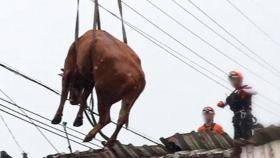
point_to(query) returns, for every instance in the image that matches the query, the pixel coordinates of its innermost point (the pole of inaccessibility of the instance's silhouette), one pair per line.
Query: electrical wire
(33, 119)
(206, 42)
(266, 98)
(173, 38)
(147, 37)
(253, 23)
(44, 136)
(11, 133)
(43, 128)
(45, 118)
(261, 63)
(233, 36)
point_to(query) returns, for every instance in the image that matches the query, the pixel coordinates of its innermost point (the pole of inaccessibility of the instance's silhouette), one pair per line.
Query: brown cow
(101, 61)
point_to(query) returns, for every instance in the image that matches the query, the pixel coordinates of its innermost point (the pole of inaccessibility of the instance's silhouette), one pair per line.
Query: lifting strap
(96, 17)
(97, 23)
(77, 22)
(123, 28)
(77, 28)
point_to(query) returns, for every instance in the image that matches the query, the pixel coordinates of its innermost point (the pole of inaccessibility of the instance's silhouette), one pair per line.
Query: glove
(221, 104)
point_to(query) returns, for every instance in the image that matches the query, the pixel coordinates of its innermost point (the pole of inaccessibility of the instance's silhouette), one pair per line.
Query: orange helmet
(208, 110)
(235, 75)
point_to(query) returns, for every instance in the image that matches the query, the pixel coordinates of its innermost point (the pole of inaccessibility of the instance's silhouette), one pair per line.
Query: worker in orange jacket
(209, 125)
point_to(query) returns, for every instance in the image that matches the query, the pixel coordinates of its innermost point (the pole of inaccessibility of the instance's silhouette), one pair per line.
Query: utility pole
(68, 141)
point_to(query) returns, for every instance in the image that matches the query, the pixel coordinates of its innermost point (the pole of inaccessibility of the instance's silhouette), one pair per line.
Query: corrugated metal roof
(197, 141)
(119, 151)
(196, 144)
(192, 145)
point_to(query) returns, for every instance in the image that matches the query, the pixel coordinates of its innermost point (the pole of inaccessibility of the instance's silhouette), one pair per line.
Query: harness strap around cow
(96, 17)
(77, 27)
(97, 22)
(77, 21)
(123, 27)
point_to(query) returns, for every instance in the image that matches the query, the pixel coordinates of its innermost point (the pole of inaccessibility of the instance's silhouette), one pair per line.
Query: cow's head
(75, 92)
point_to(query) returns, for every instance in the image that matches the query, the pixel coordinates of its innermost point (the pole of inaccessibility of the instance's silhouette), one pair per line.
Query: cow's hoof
(78, 122)
(88, 138)
(56, 119)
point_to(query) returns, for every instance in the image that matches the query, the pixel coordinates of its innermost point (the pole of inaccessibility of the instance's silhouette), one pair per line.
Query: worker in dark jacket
(240, 102)
(209, 125)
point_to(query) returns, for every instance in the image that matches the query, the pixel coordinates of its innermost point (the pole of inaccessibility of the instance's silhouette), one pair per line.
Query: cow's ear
(62, 69)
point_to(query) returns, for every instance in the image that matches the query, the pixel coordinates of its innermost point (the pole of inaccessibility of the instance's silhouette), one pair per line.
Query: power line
(240, 42)
(206, 42)
(42, 128)
(253, 23)
(145, 35)
(233, 36)
(43, 117)
(45, 124)
(264, 97)
(27, 77)
(262, 64)
(44, 136)
(162, 45)
(11, 133)
(148, 37)
(175, 39)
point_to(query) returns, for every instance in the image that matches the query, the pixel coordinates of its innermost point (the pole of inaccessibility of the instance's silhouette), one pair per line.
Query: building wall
(269, 150)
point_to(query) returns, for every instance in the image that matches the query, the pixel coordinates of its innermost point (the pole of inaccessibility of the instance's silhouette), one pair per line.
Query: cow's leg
(127, 104)
(64, 93)
(104, 119)
(83, 105)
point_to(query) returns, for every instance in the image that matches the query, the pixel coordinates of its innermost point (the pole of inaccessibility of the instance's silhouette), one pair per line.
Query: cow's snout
(74, 97)
(74, 102)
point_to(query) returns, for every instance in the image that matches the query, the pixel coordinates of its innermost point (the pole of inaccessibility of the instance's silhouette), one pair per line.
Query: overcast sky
(35, 37)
